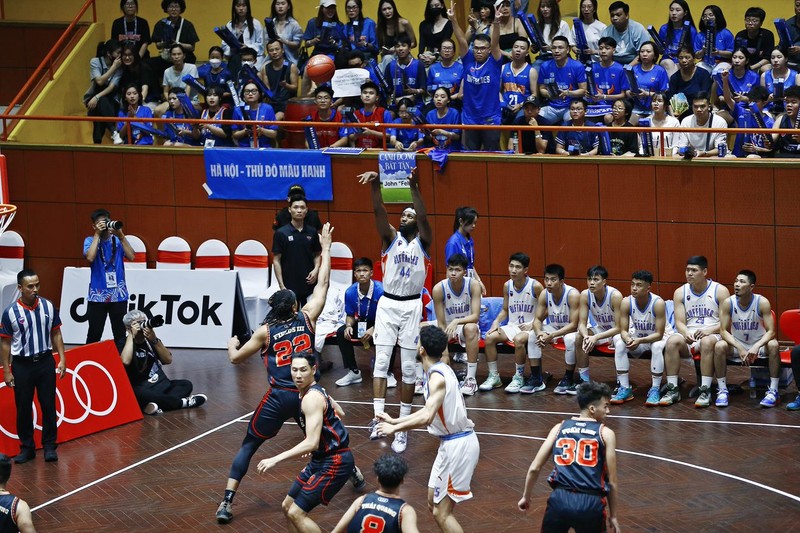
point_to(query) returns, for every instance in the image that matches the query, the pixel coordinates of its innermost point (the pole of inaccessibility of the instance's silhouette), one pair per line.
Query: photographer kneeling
(143, 356)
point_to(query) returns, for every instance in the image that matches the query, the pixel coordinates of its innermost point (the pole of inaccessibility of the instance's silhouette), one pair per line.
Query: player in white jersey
(598, 317)
(404, 253)
(557, 313)
(697, 322)
(446, 417)
(457, 301)
(748, 331)
(643, 328)
(519, 303)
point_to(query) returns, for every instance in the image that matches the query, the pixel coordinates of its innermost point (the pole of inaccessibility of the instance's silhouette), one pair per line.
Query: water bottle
(515, 142)
(752, 385)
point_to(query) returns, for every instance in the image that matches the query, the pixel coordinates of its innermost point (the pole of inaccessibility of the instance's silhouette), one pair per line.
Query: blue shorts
(586, 513)
(322, 479)
(276, 407)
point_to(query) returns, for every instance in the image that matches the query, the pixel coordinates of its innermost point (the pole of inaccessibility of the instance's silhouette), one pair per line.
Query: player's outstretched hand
(325, 233)
(265, 464)
(385, 429)
(613, 525)
(523, 504)
(367, 177)
(413, 179)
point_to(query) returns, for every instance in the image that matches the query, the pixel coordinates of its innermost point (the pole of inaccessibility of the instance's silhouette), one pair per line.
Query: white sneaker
(391, 381)
(400, 442)
(419, 386)
(373, 430)
(350, 378)
(152, 409)
(460, 357)
(116, 139)
(516, 384)
(469, 387)
(492, 382)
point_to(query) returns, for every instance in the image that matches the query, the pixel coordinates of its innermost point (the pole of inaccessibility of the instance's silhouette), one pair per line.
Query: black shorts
(321, 480)
(586, 513)
(276, 407)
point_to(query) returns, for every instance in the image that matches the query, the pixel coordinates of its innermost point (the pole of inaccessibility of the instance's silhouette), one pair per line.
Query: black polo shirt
(297, 248)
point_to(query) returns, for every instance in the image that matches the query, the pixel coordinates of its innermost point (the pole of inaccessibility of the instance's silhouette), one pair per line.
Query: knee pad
(534, 350)
(382, 355)
(408, 360)
(657, 357)
(569, 354)
(621, 361)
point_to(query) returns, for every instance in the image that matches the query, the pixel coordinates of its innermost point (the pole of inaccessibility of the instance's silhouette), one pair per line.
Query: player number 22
(583, 452)
(285, 349)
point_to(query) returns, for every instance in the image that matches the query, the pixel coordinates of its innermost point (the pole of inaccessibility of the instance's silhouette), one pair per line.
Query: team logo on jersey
(21, 320)
(291, 238)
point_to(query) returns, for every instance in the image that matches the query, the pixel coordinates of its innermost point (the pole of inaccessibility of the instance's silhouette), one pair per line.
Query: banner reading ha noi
(266, 173)
(394, 169)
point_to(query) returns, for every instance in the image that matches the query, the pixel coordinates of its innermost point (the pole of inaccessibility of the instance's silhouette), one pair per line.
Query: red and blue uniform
(331, 463)
(377, 513)
(579, 479)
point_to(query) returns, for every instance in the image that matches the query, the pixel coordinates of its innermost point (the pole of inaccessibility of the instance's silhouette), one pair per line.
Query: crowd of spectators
(506, 67)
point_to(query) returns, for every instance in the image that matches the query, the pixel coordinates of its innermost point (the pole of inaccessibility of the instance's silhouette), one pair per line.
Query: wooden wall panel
(750, 247)
(678, 242)
(98, 177)
(685, 193)
(574, 244)
(152, 224)
(463, 183)
(52, 230)
(627, 192)
(744, 195)
(198, 224)
(53, 175)
(515, 189)
(149, 179)
(628, 246)
(570, 191)
(787, 197)
(244, 224)
(787, 246)
(188, 189)
(511, 235)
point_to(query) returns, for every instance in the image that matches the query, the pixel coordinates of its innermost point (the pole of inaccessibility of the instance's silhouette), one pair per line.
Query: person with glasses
(334, 136)
(174, 29)
(132, 29)
(361, 33)
(254, 109)
(758, 41)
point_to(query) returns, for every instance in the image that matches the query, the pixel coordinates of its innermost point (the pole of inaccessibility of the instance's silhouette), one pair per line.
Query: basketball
(320, 68)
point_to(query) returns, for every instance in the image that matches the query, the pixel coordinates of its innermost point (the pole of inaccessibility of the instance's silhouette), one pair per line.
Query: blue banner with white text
(266, 174)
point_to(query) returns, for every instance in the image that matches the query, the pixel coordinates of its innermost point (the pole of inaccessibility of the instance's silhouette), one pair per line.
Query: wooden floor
(680, 469)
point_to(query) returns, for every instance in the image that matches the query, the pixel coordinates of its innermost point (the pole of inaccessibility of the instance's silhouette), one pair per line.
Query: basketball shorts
(277, 406)
(585, 513)
(322, 479)
(397, 322)
(453, 467)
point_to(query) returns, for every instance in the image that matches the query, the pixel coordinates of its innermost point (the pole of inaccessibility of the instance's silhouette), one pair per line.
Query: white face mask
(249, 63)
(215, 63)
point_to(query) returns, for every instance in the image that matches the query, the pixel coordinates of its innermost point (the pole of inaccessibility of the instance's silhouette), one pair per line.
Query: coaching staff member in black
(29, 329)
(284, 217)
(296, 252)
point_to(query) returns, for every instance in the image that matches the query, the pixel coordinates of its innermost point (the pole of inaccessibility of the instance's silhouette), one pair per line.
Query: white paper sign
(348, 82)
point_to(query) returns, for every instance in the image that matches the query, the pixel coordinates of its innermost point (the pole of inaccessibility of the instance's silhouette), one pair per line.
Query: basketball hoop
(7, 212)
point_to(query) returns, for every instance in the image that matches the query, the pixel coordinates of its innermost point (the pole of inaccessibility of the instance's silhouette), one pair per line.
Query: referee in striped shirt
(29, 329)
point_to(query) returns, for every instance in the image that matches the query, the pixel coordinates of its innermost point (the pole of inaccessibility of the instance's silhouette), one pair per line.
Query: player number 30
(583, 451)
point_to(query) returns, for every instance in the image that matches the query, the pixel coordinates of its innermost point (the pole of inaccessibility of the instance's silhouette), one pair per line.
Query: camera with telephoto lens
(155, 322)
(688, 152)
(116, 225)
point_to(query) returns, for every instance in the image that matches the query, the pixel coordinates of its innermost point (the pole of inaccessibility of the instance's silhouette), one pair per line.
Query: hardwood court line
(629, 417)
(139, 463)
(668, 460)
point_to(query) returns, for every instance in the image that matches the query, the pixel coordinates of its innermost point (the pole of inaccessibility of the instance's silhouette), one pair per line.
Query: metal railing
(383, 126)
(47, 63)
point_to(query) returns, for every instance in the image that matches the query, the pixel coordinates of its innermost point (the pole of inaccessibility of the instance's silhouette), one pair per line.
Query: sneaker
(373, 430)
(116, 139)
(671, 395)
(400, 442)
(704, 398)
(419, 386)
(357, 478)
(795, 405)
(516, 384)
(722, 398)
(469, 387)
(572, 390)
(196, 400)
(391, 381)
(532, 385)
(652, 397)
(492, 382)
(624, 394)
(152, 409)
(562, 386)
(224, 513)
(771, 398)
(460, 357)
(351, 378)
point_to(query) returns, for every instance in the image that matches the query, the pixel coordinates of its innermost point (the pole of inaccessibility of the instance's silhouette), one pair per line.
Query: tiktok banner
(93, 395)
(266, 173)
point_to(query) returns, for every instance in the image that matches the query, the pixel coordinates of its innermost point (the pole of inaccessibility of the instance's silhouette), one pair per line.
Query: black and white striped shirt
(29, 328)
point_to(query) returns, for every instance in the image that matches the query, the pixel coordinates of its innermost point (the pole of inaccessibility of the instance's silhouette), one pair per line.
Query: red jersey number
(285, 349)
(372, 524)
(583, 452)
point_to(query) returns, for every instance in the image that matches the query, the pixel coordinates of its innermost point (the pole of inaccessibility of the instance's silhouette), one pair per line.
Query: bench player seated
(748, 332)
(643, 328)
(598, 317)
(457, 301)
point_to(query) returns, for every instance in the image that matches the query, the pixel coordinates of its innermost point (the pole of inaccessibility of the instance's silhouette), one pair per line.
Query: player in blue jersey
(326, 440)
(584, 480)
(383, 510)
(481, 84)
(406, 74)
(446, 73)
(285, 331)
(741, 80)
(750, 145)
(673, 34)
(650, 78)
(561, 80)
(518, 80)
